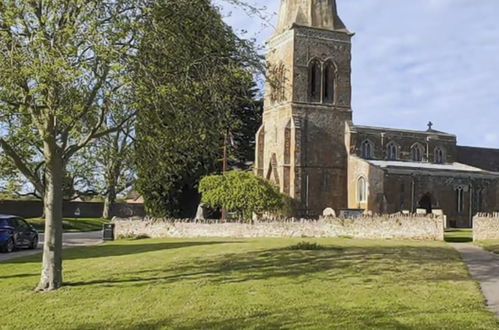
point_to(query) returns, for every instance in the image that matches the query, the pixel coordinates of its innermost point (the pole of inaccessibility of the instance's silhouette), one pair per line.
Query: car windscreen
(4, 223)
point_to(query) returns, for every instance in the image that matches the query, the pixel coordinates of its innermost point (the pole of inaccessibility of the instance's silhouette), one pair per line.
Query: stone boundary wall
(34, 209)
(411, 227)
(485, 227)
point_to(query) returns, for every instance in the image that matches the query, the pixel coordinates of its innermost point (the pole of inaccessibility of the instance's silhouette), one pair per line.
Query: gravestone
(329, 212)
(200, 214)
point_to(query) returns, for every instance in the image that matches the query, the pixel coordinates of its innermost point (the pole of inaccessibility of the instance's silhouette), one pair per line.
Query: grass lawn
(490, 245)
(72, 224)
(255, 283)
(459, 235)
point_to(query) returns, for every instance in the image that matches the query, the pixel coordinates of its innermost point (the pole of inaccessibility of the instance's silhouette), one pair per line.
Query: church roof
(387, 129)
(452, 169)
(320, 14)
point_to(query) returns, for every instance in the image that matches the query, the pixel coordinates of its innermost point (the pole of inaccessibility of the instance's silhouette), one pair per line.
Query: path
(68, 240)
(484, 268)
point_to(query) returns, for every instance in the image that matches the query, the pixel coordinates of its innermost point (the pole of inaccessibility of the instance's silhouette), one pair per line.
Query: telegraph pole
(224, 167)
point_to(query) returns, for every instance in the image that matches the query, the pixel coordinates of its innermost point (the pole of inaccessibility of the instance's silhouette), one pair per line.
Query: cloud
(415, 61)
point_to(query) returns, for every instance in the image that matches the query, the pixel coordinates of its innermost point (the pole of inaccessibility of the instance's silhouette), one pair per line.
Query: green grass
(249, 284)
(459, 235)
(490, 245)
(72, 224)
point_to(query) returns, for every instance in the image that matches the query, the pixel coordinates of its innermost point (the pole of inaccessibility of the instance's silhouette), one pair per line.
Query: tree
(63, 65)
(107, 166)
(243, 193)
(191, 72)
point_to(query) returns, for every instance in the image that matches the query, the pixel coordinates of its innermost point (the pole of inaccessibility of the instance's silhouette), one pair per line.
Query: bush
(306, 246)
(243, 193)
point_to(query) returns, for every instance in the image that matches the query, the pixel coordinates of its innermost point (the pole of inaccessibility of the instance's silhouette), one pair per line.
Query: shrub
(306, 246)
(243, 193)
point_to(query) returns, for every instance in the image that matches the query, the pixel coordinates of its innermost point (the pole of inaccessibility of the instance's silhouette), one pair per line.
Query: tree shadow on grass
(115, 249)
(367, 264)
(459, 236)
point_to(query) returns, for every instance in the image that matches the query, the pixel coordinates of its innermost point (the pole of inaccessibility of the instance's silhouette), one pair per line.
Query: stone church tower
(301, 144)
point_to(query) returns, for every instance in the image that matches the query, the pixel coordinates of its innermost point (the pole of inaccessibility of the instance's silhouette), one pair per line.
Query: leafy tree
(247, 117)
(64, 63)
(190, 75)
(241, 192)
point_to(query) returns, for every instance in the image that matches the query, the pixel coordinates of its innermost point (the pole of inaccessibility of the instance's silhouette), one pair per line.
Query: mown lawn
(72, 224)
(459, 235)
(490, 245)
(255, 284)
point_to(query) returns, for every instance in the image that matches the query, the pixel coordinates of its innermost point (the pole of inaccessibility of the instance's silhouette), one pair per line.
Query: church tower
(301, 144)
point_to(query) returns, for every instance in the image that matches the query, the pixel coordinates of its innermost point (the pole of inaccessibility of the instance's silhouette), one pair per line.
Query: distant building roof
(387, 129)
(417, 167)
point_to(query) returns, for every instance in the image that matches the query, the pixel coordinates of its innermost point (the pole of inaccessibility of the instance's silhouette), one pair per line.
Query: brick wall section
(389, 227)
(486, 227)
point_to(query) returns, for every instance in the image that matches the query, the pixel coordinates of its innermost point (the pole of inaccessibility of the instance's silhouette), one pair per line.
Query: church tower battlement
(301, 144)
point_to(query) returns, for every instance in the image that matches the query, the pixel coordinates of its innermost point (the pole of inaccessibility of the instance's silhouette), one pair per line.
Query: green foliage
(190, 76)
(307, 246)
(241, 192)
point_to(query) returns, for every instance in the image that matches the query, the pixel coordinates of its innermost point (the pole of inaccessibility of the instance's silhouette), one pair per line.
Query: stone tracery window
(366, 149)
(392, 151)
(329, 81)
(439, 156)
(362, 190)
(460, 199)
(417, 153)
(314, 73)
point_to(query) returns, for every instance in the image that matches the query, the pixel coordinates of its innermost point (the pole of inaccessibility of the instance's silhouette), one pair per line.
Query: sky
(414, 62)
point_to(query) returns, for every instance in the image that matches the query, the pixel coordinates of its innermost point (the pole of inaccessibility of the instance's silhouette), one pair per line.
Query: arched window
(439, 156)
(362, 190)
(460, 199)
(417, 153)
(392, 151)
(314, 74)
(329, 81)
(366, 149)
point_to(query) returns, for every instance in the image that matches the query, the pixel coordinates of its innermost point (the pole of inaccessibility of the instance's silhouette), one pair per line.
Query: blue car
(15, 233)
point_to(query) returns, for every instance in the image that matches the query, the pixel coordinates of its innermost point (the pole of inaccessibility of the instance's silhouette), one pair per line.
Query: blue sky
(416, 61)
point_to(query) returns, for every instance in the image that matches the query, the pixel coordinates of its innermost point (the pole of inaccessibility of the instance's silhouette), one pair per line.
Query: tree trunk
(51, 276)
(108, 202)
(112, 181)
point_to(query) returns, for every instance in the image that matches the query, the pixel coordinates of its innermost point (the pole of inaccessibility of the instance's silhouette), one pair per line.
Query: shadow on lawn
(367, 264)
(459, 236)
(116, 249)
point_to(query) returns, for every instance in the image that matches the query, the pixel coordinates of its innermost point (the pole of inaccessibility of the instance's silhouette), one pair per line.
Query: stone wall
(485, 227)
(388, 227)
(34, 209)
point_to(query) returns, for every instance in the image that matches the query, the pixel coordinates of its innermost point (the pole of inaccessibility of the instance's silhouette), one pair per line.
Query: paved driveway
(69, 240)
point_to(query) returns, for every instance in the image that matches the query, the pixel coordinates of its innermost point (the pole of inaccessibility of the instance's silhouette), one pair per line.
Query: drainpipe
(413, 194)
(471, 204)
(307, 194)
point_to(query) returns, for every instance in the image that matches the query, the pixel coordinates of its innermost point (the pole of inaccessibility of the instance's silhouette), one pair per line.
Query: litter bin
(108, 231)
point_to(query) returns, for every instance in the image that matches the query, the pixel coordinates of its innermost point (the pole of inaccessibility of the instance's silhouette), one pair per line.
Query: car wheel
(34, 243)
(10, 246)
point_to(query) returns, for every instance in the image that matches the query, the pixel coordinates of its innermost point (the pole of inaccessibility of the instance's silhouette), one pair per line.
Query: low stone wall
(485, 227)
(389, 227)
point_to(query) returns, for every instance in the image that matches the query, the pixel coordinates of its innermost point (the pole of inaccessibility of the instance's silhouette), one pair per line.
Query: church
(309, 146)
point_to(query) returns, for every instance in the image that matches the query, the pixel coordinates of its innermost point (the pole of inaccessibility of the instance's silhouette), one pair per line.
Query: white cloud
(415, 61)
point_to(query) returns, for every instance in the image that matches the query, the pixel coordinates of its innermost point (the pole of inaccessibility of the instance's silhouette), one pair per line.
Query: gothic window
(392, 151)
(417, 153)
(460, 199)
(362, 190)
(314, 72)
(277, 81)
(366, 149)
(439, 156)
(329, 82)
